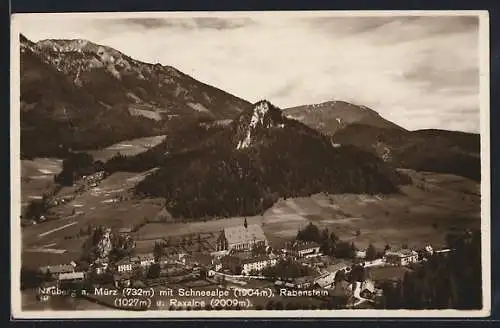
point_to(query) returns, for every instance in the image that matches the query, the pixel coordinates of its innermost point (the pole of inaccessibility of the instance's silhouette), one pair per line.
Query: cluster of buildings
(245, 251)
(94, 179)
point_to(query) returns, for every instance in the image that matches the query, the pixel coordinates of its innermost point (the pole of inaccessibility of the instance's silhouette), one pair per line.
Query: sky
(417, 71)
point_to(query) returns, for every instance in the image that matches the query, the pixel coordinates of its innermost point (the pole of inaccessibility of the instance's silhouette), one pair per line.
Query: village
(313, 270)
(299, 273)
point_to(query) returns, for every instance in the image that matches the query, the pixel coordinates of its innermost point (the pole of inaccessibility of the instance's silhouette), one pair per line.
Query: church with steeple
(241, 238)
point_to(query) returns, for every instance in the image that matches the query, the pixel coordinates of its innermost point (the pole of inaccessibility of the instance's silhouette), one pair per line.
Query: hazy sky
(420, 72)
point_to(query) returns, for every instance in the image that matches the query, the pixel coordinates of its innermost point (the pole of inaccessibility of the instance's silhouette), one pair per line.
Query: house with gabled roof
(56, 270)
(401, 257)
(241, 238)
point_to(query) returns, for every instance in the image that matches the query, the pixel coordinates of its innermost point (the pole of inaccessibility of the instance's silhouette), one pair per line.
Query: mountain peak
(74, 45)
(332, 116)
(263, 115)
(25, 43)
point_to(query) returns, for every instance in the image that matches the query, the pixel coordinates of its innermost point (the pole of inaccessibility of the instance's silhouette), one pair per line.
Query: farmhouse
(143, 260)
(401, 257)
(56, 270)
(72, 276)
(241, 238)
(302, 249)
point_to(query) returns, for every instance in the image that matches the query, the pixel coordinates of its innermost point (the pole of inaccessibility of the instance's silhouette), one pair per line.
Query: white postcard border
(18, 313)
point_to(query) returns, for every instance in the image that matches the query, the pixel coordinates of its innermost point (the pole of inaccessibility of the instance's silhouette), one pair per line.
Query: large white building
(257, 264)
(73, 276)
(241, 238)
(124, 265)
(143, 260)
(302, 249)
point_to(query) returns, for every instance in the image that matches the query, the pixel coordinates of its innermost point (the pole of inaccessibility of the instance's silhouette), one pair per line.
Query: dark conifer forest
(213, 178)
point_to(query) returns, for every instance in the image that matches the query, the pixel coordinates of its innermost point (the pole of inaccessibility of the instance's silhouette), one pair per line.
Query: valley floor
(421, 213)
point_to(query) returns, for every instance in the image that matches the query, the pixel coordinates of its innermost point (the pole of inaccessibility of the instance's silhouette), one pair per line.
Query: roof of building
(342, 289)
(338, 266)
(72, 275)
(401, 253)
(325, 280)
(58, 268)
(368, 285)
(239, 234)
(304, 246)
(203, 259)
(303, 280)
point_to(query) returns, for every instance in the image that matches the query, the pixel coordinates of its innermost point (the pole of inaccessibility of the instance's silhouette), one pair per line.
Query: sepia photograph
(250, 164)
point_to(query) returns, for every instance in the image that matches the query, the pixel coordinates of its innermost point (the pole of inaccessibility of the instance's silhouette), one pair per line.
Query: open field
(96, 209)
(37, 177)
(126, 148)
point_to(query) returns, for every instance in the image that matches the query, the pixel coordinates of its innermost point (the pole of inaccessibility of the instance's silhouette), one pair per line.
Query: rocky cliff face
(77, 94)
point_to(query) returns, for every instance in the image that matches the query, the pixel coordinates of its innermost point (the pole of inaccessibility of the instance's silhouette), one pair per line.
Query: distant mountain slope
(246, 166)
(76, 94)
(423, 150)
(331, 116)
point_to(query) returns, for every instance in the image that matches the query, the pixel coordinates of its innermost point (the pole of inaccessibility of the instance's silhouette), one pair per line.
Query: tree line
(330, 243)
(444, 281)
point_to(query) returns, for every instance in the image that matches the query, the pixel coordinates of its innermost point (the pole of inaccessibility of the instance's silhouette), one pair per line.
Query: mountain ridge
(101, 82)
